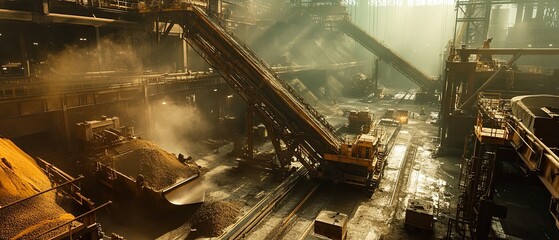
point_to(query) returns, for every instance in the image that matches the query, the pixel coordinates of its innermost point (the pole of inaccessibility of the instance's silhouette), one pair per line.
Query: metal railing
(491, 120)
(69, 83)
(139, 5)
(535, 156)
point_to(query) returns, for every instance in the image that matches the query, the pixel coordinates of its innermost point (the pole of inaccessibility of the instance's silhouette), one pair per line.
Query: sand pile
(20, 177)
(159, 168)
(212, 217)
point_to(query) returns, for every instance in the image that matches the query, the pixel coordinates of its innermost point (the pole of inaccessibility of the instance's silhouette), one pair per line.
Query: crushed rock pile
(213, 217)
(21, 177)
(159, 168)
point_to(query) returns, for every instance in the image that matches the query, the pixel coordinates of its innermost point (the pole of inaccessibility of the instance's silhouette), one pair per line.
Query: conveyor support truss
(296, 128)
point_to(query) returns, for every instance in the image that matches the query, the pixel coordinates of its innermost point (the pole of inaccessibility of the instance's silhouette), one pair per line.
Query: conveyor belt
(306, 133)
(387, 55)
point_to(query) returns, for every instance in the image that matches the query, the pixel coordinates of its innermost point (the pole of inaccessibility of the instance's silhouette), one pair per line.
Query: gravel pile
(20, 177)
(159, 168)
(212, 217)
(31, 218)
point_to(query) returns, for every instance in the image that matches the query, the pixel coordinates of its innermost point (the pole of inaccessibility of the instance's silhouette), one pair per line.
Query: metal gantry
(477, 170)
(497, 127)
(473, 15)
(462, 79)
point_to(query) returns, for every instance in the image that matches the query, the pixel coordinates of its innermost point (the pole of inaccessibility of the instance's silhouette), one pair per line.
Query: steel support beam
(501, 69)
(12, 15)
(464, 53)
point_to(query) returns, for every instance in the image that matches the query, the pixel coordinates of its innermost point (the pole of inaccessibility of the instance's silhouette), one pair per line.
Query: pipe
(13, 15)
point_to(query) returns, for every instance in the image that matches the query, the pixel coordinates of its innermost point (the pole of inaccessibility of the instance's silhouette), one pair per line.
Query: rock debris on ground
(213, 217)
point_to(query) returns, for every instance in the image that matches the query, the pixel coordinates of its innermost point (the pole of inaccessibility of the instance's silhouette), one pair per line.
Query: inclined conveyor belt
(280, 107)
(387, 55)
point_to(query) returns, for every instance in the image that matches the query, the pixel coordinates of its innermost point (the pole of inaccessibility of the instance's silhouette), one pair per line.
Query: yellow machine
(362, 159)
(398, 115)
(402, 116)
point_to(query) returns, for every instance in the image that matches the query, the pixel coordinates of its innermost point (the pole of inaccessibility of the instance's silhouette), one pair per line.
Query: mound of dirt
(213, 217)
(21, 177)
(159, 168)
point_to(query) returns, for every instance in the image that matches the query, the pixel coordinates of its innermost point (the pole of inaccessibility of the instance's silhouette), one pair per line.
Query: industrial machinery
(98, 134)
(399, 115)
(332, 225)
(402, 116)
(37, 188)
(362, 86)
(466, 79)
(529, 125)
(106, 139)
(363, 158)
(297, 130)
(184, 192)
(359, 120)
(419, 215)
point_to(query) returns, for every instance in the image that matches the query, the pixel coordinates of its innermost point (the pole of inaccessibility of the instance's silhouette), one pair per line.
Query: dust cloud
(418, 32)
(299, 40)
(108, 55)
(177, 127)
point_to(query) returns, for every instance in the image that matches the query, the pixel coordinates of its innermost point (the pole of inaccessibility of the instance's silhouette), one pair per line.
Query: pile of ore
(159, 168)
(21, 177)
(213, 217)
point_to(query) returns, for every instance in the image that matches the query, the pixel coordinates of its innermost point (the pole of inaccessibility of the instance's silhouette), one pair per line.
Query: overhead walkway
(388, 56)
(296, 128)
